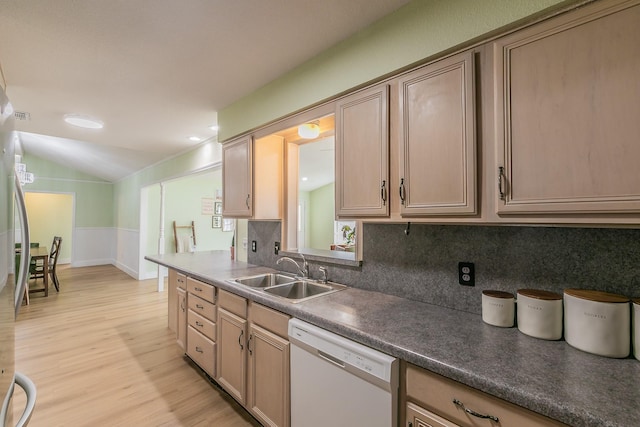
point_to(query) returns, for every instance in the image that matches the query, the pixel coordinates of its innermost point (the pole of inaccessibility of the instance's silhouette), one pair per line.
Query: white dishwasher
(338, 382)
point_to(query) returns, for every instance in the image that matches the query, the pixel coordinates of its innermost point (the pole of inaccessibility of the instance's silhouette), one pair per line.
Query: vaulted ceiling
(154, 71)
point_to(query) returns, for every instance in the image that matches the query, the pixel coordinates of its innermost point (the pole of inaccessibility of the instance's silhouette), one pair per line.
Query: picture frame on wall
(217, 209)
(228, 224)
(216, 221)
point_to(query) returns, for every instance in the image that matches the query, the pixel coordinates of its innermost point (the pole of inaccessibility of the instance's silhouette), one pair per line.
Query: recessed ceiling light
(304, 178)
(194, 138)
(83, 121)
(214, 128)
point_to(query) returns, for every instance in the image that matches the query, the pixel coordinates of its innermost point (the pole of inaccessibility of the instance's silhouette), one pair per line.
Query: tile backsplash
(423, 265)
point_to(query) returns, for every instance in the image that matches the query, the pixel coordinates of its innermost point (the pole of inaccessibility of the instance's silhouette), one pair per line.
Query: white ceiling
(155, 71)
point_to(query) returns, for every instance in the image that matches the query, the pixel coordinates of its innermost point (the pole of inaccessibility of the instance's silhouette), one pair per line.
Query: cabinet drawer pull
(199, 350)
(403, 192)
(500, 178)
(240, 340)
(383, 193)
(474, 413)
(199, 324)
(198, 289)
(201, 307)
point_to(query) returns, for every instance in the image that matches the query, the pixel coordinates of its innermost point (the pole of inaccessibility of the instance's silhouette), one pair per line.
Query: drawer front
(420, 417)
(202, 307)
(202, 351)
(232, 303)
(181, 281)
(203, 325)
(437, 393)
(269, 319)
(201, 289)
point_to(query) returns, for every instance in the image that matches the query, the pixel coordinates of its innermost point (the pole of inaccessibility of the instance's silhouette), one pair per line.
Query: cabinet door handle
(403, 192)
(199, 350)
(199, 324)
(247, 201)
(249, 344)
(500, 179)
(383, 193)
(474, 413)
(240, 340)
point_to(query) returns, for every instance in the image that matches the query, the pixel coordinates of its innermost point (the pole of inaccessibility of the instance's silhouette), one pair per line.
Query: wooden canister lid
(539, 294)
(498, 294)
(597, 296)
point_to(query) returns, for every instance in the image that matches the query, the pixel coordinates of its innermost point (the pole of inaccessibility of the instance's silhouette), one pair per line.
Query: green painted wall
(183, 202)
(321, 217)
(127, 190)
(419, 30)
(94, 196)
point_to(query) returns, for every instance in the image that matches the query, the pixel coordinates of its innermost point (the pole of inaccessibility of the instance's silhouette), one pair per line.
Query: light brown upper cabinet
(362, 154)
(237, 182)
(252, 172)
(567, 98)
(437, 155)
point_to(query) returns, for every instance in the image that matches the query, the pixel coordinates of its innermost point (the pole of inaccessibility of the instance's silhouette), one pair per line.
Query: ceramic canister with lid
(636, 328)
(597, 322)
(498, 308)
(540, 313)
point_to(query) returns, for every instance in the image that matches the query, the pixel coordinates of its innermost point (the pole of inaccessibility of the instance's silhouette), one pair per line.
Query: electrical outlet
(276, 248)
(466, 274)
(254, 246)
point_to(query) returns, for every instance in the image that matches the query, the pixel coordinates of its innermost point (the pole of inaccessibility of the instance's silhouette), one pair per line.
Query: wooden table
(42, 253)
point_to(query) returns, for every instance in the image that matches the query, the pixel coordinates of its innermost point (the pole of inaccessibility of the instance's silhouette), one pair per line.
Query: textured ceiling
(155, 71)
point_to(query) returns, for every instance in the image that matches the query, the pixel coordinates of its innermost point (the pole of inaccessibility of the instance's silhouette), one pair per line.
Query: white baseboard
(131, 272)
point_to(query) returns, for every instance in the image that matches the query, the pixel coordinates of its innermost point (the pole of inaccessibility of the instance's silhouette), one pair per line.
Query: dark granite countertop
(548, 377)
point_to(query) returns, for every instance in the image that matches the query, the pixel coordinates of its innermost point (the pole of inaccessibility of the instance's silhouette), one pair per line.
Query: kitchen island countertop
(548, 377)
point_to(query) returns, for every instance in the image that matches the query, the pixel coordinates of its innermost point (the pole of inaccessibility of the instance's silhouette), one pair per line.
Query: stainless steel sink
(302, 290)
(291, 288)
(265, 280)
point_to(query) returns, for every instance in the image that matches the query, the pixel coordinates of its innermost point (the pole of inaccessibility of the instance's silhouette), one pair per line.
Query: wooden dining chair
(53, 261)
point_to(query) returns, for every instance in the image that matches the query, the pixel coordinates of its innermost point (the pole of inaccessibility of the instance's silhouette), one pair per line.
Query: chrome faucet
(303, 272)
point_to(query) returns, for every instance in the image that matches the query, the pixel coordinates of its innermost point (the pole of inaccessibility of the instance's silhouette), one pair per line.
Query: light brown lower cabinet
(200, 324)
(253, 358)
(181, 328)
(231, 354)
(268, 384)
(433, 400)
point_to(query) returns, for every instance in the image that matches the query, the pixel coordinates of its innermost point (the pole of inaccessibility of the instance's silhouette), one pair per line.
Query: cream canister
(636, 328)
(498, 308)
(597, 322)
(540, 313)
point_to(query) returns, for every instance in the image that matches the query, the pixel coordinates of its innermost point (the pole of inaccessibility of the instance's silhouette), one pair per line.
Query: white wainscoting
(92, 246)
(127, 249)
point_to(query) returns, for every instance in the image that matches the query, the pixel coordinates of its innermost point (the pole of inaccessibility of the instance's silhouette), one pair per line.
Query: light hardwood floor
(100, 354)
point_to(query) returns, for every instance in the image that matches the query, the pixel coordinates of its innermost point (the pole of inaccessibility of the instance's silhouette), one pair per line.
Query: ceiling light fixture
(83, 121)
(214, 128)
(309, 130)
(194, 138)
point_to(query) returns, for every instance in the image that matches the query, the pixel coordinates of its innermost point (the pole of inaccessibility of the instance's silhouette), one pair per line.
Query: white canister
(498, 308)
(540, 314)
(597, 322)
(636, 328)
